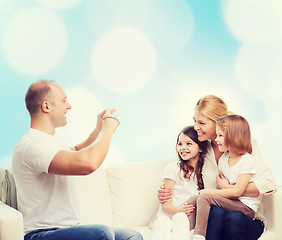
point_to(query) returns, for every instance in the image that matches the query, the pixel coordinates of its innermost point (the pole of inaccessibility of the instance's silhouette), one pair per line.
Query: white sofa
(125, 195)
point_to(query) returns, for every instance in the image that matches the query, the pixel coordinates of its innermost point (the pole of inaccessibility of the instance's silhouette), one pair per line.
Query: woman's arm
(168, 207)
(264, 181)
(236, 191)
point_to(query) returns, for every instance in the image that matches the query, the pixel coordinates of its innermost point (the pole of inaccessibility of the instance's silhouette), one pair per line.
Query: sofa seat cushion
(145, 231)
(268, 235)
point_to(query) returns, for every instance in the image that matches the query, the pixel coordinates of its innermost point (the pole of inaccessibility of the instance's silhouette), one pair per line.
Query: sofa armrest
(11, 223)
(273, 211)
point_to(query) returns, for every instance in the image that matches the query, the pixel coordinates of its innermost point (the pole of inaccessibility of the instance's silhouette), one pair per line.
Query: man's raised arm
(90, 155)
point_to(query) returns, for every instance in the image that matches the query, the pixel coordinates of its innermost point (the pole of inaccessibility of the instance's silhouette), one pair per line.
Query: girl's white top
(246, 165)
(183, 188)
(264, 179)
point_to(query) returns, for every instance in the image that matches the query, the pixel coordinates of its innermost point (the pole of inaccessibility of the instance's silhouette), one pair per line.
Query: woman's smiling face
(204, 126)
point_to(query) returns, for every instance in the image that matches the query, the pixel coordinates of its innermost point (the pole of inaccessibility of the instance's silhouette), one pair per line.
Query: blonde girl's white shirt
(246, 165)
(264, 179)
(183, 188)
(45, 200)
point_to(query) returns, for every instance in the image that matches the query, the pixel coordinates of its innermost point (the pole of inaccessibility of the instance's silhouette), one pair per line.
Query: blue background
(151, 60)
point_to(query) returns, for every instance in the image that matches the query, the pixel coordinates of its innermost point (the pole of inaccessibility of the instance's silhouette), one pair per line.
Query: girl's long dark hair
(185, 166)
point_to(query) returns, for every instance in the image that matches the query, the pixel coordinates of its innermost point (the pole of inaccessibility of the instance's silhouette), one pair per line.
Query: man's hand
(188, 209)
(110, 120)
(164, 194)
(99, 123)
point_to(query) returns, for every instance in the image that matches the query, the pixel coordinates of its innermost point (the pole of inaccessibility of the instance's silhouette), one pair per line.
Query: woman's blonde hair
(212, 107)
(237, 133)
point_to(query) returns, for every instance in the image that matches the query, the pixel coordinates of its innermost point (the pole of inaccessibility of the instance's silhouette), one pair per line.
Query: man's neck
(43, 126)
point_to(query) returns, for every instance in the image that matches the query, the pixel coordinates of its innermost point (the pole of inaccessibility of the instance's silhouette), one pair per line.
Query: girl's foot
(198, 237)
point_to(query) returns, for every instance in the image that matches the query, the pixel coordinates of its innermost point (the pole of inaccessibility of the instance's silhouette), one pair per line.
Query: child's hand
(164, 194)
(221, 181)
(188, 209)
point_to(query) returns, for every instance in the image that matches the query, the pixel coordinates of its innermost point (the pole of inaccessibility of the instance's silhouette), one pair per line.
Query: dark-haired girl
(184, 179)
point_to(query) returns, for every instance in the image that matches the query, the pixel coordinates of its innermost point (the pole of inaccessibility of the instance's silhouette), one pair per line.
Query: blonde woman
(223, 224)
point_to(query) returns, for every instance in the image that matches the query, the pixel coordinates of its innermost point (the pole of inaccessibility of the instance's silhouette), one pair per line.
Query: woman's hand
(164, 194)
(188, 209)
(211, 191)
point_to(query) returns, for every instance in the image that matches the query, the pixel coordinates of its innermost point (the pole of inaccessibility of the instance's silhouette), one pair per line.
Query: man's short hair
(36, 94)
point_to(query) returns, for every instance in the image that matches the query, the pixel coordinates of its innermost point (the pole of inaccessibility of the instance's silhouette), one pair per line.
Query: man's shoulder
(29, 140)
(36, 137)
(33, 144)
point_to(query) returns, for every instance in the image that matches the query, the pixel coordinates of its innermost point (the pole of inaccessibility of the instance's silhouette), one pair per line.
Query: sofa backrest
(272, 204)
(8, 188)
(94, 198)
(125, 194)
(2, 172)
(92, 192)
(133, 191)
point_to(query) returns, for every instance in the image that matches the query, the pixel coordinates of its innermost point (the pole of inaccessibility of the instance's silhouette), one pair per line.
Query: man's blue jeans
(235, 225)
(84, 232)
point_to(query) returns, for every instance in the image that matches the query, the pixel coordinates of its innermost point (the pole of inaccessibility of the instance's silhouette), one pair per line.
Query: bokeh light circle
(34, 41)
(123, 60)
(255, 21)
(61, 4)
(169, 24)
(81, 118)
(275, 81)
(252, 68)
(2, 3)
(172, 25)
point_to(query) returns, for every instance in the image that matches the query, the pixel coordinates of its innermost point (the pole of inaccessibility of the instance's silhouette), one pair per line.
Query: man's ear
(45, 106)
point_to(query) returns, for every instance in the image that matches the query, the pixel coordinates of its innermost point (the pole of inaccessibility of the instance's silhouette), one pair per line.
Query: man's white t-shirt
(245, 165)
(45, 200)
